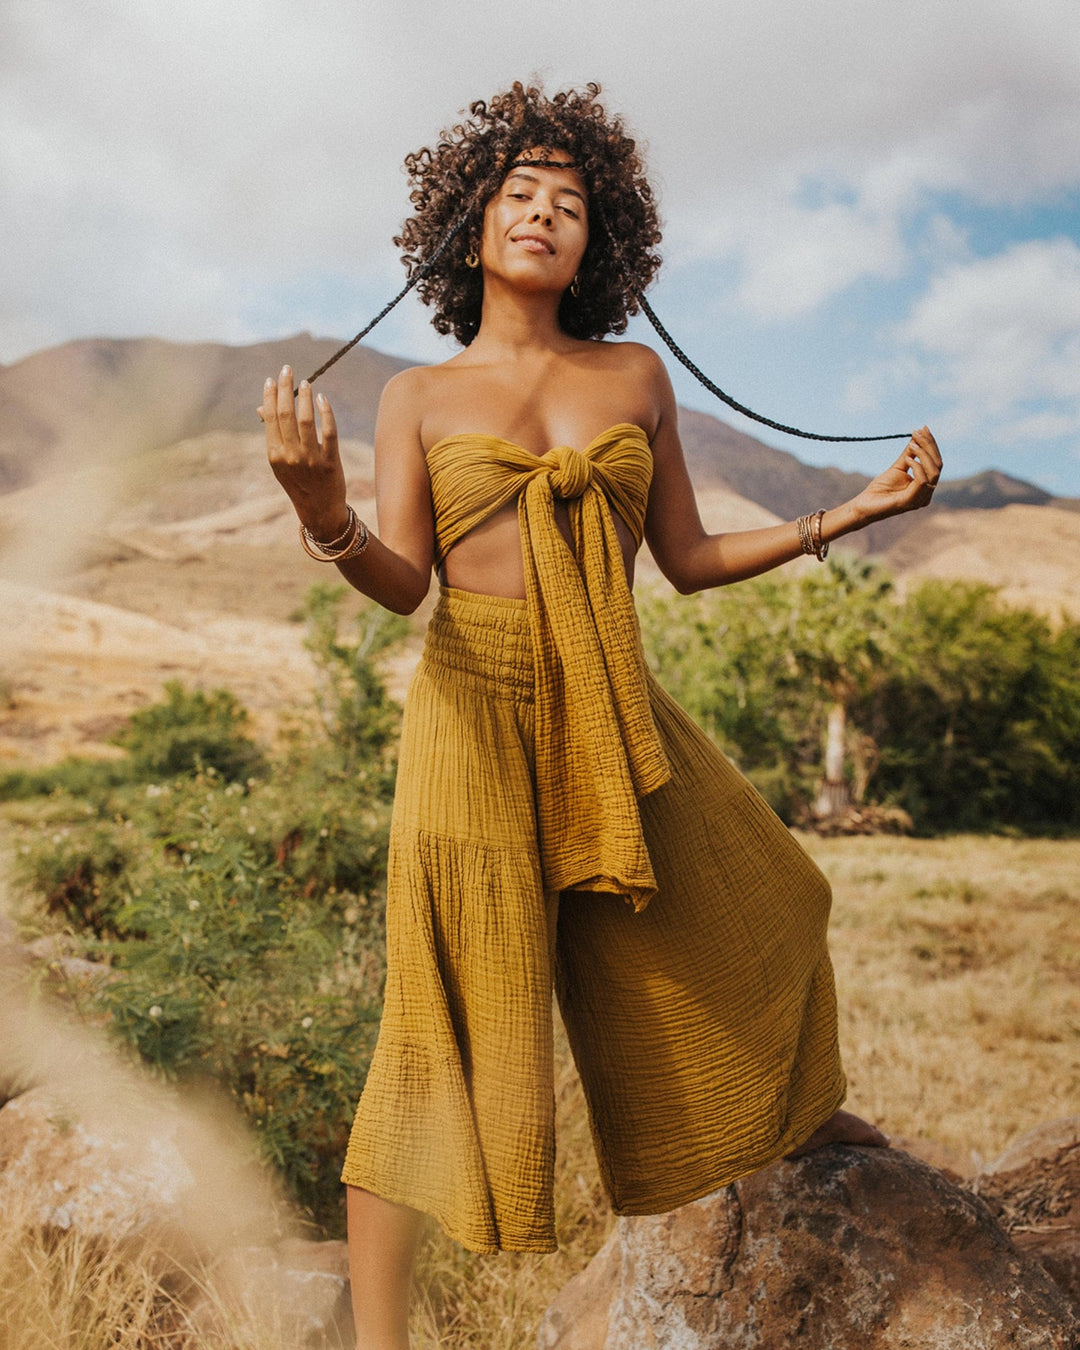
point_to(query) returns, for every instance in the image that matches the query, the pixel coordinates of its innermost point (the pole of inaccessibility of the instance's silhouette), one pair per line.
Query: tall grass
(957, 963)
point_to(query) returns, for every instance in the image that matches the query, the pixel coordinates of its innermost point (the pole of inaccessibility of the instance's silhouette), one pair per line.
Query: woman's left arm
(693, 560)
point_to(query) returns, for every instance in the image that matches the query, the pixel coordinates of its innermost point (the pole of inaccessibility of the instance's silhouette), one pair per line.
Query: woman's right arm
(395, 567)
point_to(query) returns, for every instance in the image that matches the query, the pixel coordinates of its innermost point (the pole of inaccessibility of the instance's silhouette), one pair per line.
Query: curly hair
(466, 168)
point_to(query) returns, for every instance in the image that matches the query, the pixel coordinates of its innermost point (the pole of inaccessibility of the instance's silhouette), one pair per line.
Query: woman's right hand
(308, 467)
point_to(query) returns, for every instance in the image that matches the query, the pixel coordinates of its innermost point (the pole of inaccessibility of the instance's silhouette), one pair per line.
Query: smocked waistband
(485, 638)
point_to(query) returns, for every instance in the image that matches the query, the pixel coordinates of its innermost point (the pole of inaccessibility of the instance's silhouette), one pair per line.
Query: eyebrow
(532, 178)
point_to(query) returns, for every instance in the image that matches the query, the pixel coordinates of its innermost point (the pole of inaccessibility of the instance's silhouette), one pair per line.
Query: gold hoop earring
(471, 260)
(575, 286)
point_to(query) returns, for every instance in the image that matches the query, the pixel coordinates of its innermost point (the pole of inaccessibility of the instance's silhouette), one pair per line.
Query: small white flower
(193, 905)
(156, 1010)
(251, 829)
(324, 833)
(305, 1022)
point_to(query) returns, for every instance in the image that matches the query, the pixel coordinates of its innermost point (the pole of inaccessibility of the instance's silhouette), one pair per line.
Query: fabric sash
(597, 748)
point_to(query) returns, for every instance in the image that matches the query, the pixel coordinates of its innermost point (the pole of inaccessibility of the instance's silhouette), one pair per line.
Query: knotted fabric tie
(571, 473)
(597, 749)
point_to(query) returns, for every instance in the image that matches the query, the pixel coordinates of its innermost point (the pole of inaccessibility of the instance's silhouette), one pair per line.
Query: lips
(534, 243)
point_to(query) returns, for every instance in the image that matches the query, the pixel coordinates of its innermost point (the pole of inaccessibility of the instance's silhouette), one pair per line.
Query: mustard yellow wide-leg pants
(703, 1027)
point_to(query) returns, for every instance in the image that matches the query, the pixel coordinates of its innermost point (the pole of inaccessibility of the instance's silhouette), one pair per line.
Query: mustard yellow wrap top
(597, 748)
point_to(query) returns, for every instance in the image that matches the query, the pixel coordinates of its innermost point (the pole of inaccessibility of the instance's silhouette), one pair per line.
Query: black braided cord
(649, 312)
(418, 275)
(702, 378)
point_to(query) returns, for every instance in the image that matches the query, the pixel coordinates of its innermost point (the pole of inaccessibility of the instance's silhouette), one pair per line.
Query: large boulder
(1034, 1191)
(175, 1190)
(844, 1249)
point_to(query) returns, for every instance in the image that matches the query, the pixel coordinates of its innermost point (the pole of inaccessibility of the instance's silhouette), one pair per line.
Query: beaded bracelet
(349, 544)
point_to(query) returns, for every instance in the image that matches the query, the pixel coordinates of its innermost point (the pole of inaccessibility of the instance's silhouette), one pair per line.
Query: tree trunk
(833, 794)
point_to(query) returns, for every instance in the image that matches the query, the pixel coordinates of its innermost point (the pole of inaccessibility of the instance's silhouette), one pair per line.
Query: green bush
(86, 778)
(243, 917)
(978, 719)
(960, 709)
(190, 730)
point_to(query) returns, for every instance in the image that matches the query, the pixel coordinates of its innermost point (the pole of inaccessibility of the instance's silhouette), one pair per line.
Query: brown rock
(1034, 1191)
(62, 1174)
(137, 1167)
(58, 954)
(296, 1292)
(844, 1249)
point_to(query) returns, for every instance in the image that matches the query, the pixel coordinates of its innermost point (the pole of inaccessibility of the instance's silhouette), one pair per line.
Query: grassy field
(958, 965)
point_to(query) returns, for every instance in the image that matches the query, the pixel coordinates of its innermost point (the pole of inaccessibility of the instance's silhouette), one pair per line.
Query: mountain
(103, 399)
(789, 488)
(144, 537)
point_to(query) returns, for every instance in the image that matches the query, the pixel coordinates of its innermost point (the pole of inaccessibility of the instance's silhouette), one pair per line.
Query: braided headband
(456, 228)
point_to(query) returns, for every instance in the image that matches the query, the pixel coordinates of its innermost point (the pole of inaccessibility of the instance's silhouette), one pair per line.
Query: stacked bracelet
(349, 544)
(809, 528)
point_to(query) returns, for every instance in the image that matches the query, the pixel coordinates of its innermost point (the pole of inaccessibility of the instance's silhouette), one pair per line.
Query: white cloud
(1001, 331)
(794, 257)
(1044, 426)
(181, 170)
(259, 131)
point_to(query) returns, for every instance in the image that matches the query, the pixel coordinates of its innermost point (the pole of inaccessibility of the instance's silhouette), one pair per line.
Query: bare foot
(841, 1128)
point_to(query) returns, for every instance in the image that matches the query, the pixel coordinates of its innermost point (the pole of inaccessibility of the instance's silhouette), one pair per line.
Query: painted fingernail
(285, 372)
(304, 384)
(269, 382)
(320, 399)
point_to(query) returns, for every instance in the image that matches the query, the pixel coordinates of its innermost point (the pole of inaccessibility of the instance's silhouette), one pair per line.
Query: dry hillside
(142, 537)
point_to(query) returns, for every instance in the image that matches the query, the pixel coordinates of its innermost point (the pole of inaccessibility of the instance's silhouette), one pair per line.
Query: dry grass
(957, 962)
(958, 966)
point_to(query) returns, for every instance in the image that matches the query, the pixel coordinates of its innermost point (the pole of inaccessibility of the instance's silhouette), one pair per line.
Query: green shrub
(963, 711)
(79, 874)
(243, 916)
(188, 731)
(93, 778)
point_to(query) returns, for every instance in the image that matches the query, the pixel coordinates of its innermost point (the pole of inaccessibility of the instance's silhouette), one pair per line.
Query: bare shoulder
(642, 367)
(405, 388)
(401, 407)
(633, 358)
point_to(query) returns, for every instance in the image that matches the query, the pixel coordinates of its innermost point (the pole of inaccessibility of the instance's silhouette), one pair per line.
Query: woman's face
(536, 226)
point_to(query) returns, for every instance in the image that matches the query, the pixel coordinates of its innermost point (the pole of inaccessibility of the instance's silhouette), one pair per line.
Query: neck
(512, 321)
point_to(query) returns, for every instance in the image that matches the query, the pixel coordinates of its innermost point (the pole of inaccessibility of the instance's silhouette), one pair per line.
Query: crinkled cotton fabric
(543, 775)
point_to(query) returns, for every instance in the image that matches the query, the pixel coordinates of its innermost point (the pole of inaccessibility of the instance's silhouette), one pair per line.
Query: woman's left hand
(906, 485)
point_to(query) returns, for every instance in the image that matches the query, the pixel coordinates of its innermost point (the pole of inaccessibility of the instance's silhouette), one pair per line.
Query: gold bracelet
(821, 547)
(809, 528)
(350, 544)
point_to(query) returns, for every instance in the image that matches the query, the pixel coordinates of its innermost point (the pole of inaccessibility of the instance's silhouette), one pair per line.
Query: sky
(871, 210)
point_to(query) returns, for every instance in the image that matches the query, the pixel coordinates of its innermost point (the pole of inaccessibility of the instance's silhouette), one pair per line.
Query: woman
(543, 774)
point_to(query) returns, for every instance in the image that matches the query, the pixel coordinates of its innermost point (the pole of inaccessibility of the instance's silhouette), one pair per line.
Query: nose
(542, 215)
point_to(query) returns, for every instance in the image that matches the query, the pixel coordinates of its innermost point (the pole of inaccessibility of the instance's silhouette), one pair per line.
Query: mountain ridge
(127, 395)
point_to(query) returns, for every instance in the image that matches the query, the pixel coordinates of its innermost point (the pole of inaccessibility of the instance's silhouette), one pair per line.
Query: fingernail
(269, 382)
(304, 384)
(285, 372)
(320, 399)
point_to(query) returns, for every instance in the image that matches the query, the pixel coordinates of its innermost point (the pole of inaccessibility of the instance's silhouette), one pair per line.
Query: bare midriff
(488, 560)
